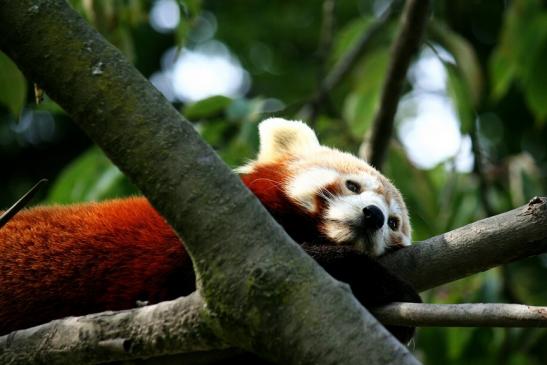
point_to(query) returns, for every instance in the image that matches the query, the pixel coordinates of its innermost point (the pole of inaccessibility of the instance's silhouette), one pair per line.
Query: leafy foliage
(493, 54)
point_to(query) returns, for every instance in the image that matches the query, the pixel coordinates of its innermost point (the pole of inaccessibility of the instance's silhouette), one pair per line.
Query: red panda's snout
(360, 208)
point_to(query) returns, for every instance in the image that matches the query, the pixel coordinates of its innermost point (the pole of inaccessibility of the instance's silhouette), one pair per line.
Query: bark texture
(166, 328)
(476, 247)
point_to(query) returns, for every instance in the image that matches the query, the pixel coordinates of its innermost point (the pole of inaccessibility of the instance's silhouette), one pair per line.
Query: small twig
(478, 169)
(461, 315)
(323, 50)
(346, 64)
(20, 204)
(326, 35)
(406, 46)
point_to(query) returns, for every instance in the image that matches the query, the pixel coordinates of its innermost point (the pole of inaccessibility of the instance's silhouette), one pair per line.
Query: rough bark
(476, 247)
(406, 46)
(172, 327)
(263, 292)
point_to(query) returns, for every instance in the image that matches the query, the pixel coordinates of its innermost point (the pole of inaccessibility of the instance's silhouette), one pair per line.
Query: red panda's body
(72, 260)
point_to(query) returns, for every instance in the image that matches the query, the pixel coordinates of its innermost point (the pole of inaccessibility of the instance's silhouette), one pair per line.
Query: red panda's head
(322, 195)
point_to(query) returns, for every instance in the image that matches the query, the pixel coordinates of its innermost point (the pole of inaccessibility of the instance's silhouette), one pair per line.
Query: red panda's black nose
(373, 218)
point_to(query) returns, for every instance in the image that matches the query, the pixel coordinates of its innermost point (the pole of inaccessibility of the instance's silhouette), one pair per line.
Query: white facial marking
(338, 231)
(371, 182)
(303, 187)
(345, 213)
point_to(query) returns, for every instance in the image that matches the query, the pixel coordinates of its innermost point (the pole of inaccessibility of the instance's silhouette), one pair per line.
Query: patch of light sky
(205, 69)
(429, 128)
(428, 125)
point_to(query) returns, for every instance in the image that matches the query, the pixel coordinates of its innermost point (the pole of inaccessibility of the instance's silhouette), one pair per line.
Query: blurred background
(471, 131)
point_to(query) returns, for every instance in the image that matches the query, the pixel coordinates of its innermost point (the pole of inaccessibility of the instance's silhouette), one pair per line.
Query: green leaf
(207, 108)
(13, 86)
(521, 55)
(466, 59)
(91, 177)
(460, 95)
(245, 110)
(535, 76)
(501, 72)
(348, 36)
(190, 8)
(361, 105)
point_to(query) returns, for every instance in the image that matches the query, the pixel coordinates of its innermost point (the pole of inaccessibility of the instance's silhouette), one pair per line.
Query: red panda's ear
(280, 138)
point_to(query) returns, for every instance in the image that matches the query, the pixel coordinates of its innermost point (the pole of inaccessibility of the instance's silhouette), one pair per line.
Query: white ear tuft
(280, 138)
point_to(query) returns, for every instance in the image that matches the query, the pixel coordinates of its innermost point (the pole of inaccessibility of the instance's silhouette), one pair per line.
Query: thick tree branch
(172, 327)
(406, 46)
(177, 328)
(255, 290)
(476, 247)
(462, 315)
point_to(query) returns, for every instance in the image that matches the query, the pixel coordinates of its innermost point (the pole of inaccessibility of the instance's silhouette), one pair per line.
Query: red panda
(71, 260)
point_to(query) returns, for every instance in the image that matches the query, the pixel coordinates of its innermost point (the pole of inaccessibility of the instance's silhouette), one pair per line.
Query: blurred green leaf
(245, 110)
(361, 105)
(501, 72)
(91, 177)
(348, 36)
(206, 108)
(461, 97)
(190, 8)
(535, 78)
(466, 58)
(13, 86)
(521, 53)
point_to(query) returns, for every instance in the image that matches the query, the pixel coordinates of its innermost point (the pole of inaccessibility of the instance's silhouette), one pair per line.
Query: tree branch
(180, 329)
(255, 290)
(172, 327)
(461, 315)
(476, 247)
(406, 46)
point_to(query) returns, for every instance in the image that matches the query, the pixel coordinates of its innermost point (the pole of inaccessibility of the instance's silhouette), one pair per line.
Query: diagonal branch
(476, 247)
(406, 46)
(342, 69)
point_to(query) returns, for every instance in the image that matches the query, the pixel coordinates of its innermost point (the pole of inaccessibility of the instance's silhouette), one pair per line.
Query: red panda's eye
(393, 223)
(353, 186)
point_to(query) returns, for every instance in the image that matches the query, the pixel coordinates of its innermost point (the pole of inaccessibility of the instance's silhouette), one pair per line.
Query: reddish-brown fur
(71, 260)
(266, 183)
